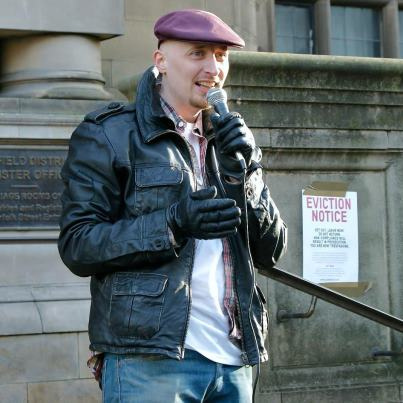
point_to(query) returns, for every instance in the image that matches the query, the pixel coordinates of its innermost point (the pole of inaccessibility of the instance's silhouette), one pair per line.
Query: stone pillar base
(53, 66)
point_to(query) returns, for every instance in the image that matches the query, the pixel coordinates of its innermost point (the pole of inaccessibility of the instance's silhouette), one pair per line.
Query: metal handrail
(334, 298)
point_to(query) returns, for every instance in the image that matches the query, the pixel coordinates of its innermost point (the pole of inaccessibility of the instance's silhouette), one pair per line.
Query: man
(154, 210)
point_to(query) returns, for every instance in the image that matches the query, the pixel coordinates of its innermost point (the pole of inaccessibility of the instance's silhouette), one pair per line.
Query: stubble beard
(199, 103)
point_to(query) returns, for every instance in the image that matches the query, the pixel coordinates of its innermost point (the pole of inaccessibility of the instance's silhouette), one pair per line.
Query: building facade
(369, 28)
(320, 115)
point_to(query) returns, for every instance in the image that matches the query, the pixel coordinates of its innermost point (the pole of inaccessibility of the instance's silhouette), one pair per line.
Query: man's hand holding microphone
(200, 215)
(235, 142)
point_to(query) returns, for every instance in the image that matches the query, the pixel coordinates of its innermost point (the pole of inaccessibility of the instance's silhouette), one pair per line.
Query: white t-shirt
(208, 325)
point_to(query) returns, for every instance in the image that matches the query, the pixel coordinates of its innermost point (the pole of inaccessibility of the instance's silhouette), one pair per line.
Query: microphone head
(216, 96)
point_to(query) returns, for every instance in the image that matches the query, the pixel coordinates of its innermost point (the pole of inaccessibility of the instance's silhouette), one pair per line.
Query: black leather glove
(200, 215)
(232, 135)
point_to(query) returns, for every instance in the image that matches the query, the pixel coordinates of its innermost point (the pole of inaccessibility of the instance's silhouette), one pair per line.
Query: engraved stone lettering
(30, 187)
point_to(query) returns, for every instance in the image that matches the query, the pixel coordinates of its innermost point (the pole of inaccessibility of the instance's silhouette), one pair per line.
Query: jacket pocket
(156, 187)
(136, 304)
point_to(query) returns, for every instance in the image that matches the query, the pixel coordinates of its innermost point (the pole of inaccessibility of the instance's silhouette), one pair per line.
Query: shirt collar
(179, 122)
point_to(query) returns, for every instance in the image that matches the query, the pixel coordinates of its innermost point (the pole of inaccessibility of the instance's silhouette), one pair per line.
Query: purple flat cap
(196, 26)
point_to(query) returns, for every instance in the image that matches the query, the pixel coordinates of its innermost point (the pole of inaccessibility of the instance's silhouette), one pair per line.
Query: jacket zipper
(244, 354)
(189, 304)
(193, 254)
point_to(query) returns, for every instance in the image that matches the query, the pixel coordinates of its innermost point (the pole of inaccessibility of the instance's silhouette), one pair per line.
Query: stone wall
(43, 307)
(323, 118)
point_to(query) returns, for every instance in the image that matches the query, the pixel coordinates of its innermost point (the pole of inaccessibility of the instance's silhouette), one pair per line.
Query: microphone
(217, 98)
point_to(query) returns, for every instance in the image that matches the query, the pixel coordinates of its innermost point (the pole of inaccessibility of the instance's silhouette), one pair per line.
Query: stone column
(266, 30)
(50, 77)
(271, 25)
(52, 66)
(390, 17)
(322, 27)
(54, 52)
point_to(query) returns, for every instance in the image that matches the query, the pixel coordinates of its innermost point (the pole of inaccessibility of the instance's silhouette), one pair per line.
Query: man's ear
(160, 61)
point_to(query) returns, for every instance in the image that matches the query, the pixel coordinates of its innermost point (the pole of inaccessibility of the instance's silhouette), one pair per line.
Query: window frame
(321, 23)
(374, 5)
(310, 4)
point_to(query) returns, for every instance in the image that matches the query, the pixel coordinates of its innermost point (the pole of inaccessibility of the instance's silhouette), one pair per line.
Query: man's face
(189, 70)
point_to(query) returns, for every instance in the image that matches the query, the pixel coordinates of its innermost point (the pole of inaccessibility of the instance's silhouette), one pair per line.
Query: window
(355, 31)
(294, 32)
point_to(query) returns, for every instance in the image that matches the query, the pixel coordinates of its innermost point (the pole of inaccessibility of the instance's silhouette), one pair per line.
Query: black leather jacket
(125, 166)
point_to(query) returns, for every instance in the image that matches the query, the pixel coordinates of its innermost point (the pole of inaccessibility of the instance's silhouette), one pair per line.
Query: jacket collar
(151, 118)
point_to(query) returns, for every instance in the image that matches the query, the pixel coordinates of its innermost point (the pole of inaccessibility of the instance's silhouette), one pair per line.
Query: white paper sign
(330, 238)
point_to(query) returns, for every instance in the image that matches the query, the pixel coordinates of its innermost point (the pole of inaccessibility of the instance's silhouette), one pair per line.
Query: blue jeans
(139, 379)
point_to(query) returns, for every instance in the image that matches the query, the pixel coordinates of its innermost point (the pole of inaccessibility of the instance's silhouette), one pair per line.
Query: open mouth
(206, 84)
